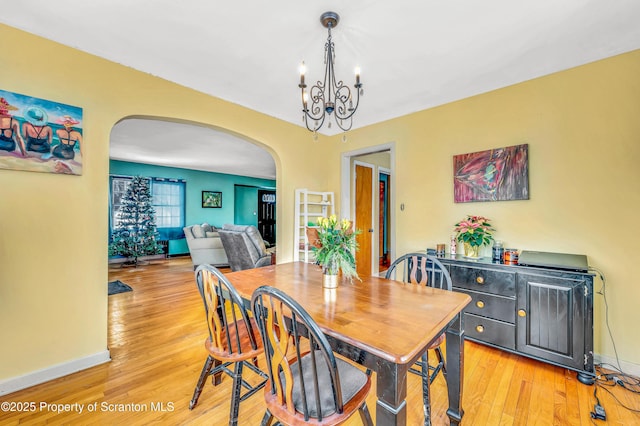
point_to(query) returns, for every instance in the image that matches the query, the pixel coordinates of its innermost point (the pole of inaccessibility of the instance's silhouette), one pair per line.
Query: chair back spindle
(419, 268)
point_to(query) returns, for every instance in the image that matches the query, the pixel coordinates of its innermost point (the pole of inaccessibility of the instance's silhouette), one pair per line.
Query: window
(119, 185)
(168, 202)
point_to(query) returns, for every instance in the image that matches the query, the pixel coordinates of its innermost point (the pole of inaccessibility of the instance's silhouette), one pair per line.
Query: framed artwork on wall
(38, 135)
(498, 174)
(211, 199)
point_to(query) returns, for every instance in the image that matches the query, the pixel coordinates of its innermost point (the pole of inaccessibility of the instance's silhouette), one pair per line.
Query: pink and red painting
(499, 174)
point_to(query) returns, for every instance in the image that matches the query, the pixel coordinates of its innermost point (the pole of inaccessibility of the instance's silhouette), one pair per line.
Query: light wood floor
(156, 333)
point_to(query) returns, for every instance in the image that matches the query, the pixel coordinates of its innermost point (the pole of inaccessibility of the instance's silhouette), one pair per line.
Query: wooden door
(364, 215)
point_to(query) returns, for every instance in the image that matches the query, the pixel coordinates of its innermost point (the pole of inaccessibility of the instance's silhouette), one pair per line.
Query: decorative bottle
(497, 252)
(454, 246)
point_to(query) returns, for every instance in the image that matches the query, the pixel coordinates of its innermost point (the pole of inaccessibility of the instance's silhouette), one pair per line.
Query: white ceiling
(413, 54)
(189, 147)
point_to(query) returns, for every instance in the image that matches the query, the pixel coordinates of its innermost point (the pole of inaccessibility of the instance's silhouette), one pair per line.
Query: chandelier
(329, 96)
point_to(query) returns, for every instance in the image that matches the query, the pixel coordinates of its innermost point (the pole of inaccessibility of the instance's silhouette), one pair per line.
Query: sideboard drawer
(490, 331)
(484, 280)
(492, 306)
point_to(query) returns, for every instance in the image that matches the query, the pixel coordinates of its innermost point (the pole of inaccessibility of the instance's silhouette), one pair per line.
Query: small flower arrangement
(334, 244)
(474, 231)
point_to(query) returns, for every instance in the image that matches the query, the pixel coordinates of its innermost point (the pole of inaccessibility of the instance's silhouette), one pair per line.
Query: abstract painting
(39, 135)
(499, 174)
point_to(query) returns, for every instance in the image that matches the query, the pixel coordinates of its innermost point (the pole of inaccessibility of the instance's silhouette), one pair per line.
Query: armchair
(244, 247)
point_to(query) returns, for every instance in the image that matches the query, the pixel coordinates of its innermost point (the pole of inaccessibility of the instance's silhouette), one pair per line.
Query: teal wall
(197, 181)
(246, 205)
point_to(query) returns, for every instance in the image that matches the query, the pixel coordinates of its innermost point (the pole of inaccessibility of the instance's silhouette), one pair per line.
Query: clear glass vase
(471, 251)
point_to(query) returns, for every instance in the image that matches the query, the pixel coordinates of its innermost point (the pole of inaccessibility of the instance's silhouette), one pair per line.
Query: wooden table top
(389, 319)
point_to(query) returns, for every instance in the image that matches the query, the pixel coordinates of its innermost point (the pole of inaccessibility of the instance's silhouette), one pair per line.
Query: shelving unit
(309, 205)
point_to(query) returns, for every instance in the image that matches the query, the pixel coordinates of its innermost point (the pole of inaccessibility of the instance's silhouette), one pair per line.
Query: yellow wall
(53, 228)
(581, 125)
(583, 130)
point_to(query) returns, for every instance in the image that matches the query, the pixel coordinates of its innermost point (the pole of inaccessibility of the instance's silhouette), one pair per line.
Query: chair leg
(441, 361)
(266, 419)
(365, 416)
(235, 394)
(206, 369)
(439, 366)
(216, 378)
(426, 400)
(251, 389)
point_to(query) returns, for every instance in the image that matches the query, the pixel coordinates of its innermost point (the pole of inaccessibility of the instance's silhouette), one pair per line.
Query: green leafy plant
(335, 246)
(475, 231)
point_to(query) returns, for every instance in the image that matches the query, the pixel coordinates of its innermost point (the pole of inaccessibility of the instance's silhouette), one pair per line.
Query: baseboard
(612, 363)
(35, 378)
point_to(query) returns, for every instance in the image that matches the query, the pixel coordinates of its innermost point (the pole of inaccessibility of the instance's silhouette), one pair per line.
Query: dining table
(382, 324)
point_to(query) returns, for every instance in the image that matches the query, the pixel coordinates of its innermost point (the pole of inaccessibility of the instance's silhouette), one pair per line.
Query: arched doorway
(206, 159)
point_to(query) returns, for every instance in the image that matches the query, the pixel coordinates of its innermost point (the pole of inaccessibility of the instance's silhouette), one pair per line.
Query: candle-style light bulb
(357, 71)
(303, 70)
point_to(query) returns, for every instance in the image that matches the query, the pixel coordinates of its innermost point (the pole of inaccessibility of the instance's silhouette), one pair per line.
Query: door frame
(387, 172)
(346, 181)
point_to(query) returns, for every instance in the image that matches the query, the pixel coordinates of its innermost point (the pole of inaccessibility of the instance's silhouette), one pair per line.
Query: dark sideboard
(541, 313)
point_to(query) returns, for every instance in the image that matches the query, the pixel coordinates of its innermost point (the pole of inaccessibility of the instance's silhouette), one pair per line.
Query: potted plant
(474, 232)
(334, 244)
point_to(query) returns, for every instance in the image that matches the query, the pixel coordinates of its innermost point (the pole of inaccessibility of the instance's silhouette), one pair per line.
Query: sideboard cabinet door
(550, 317)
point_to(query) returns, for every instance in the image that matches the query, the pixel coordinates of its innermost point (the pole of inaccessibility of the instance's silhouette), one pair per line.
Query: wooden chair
(307, 383)
(233, 338)
(422, 269)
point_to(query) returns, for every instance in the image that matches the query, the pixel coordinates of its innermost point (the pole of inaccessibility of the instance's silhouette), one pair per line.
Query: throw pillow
(198, 232)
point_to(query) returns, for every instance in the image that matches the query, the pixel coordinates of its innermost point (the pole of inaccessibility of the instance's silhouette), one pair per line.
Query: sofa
(245, 247)
(205, 245)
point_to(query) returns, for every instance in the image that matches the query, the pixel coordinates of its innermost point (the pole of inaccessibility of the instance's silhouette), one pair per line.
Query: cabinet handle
(480, 280)
(480, 328)
(522, 313)
(480, 304)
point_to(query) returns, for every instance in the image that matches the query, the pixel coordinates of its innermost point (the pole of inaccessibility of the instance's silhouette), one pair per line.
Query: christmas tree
(135, 235)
